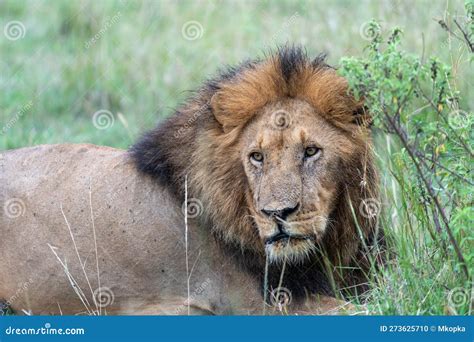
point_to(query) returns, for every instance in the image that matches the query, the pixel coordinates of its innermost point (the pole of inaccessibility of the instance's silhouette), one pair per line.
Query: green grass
(54, 79)
(422, 277)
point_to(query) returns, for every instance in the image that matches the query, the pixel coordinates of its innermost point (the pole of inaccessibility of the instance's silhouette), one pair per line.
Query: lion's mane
(198, 142)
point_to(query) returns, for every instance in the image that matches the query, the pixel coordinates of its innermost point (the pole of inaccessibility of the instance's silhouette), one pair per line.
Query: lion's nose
(282, 213)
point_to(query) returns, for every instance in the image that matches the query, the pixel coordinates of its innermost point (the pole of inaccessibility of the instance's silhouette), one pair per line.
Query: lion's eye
(311, 151)
(256, 157)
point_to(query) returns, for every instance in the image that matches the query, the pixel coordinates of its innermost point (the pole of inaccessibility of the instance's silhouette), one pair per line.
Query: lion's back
(55, 198)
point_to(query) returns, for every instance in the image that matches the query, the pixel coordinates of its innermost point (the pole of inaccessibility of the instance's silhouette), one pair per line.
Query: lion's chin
(289, 250)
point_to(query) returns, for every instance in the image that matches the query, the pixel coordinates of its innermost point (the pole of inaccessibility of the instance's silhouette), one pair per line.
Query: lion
(250, 199)
(280, 154)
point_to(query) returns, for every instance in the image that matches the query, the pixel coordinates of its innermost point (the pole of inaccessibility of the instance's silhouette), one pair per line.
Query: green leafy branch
(414, 100)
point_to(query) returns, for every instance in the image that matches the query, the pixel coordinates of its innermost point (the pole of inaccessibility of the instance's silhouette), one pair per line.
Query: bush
(424, 147)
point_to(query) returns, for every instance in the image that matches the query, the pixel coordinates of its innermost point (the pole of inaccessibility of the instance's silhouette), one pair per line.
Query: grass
(133, 60)
(421, 278)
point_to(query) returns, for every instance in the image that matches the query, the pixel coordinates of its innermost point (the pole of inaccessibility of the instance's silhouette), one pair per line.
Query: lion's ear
(361, 115)
(227, 117)
(217, 110)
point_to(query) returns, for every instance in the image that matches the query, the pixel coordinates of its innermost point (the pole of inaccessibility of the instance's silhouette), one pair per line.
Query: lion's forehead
(301, 129)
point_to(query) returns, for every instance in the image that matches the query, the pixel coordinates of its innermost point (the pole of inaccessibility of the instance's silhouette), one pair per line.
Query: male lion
(274, 158)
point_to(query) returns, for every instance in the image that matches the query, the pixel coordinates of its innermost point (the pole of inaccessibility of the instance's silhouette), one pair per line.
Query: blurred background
(104, 71)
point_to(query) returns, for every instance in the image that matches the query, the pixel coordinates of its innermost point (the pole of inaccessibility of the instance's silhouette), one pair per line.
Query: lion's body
(140, 238)
(139, 233)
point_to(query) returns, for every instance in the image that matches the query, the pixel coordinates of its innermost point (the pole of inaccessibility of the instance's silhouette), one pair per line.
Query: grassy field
(104, 71)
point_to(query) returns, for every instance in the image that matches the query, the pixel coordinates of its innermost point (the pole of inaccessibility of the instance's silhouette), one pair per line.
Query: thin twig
(72, 281)
(467, 39)
(95, 247)
(410, 149)
(421, 155)
(186, 238)
(77, 253)
(265, 285)
(445, 27)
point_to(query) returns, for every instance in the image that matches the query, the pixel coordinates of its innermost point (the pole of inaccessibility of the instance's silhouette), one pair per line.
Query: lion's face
(291, 157)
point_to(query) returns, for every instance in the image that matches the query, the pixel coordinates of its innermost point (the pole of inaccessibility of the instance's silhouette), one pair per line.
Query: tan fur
(236, 102)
